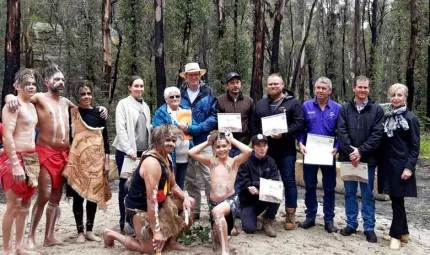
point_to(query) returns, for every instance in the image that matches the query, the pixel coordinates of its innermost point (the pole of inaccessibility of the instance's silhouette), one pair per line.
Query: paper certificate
(186, 117)
(128, 167)
(319, 150)
(270, 191)
(274, 125)
(350, 173)
(229, 122)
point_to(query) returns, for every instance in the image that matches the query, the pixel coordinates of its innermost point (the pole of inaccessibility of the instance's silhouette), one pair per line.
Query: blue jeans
(119, 159)
(367, 200)
(310, 176)
(249, 214)
(181, 173)
(287, 169)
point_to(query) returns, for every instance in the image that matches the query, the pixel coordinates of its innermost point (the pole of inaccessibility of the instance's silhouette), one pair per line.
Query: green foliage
(425, 146)
(196, 233)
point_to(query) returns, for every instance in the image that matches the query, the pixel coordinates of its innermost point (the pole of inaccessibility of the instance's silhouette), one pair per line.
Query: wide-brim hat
(191, 68)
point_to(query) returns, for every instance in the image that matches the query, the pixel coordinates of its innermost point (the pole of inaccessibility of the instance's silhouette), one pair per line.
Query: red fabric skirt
(54, 161)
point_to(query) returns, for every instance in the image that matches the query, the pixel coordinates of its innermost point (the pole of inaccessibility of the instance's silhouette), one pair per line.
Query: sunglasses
(176, 96)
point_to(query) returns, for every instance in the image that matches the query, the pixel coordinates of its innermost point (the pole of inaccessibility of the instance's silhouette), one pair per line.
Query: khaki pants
(191, 184)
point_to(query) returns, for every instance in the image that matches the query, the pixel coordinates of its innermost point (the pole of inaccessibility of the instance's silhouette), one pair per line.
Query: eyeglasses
(176, 96)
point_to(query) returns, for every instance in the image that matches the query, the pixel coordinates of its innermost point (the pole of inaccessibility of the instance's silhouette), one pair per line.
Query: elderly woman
(167, 114)
(154, 199)
(133, 130)
(400, 149)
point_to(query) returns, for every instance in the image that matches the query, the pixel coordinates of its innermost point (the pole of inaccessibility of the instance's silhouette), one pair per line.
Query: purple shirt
(320, 122)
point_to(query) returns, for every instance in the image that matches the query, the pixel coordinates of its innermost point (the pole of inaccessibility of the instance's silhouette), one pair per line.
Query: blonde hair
(393, 88)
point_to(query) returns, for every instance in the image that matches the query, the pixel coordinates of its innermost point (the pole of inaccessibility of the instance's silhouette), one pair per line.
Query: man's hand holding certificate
(274, 125)
(319, 150)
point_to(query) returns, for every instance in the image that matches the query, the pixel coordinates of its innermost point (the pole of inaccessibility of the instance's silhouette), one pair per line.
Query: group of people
(162, 197)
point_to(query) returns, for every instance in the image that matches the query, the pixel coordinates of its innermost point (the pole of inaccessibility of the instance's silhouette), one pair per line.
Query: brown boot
(290, 219)
(268, 228)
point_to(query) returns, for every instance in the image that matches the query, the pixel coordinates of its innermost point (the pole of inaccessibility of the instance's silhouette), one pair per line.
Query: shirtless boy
(223, 201)
(52, 147)
(19, 131)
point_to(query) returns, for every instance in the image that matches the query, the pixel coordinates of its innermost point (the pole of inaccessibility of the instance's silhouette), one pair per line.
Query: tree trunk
(235, 34)
(290, 56)
(118, 54)
(364, 52)
(308, 26)
(357, 38)
(310, 73)
(412, 55)
(274, 63)
(221, 18)
(374, 32)
(185, 41)
(331, 37)
(107, 57)
(160, 73)
(428, 76)
(133, 39)
(28, 47)
(12, 47)
(256, 92)
(345, 9)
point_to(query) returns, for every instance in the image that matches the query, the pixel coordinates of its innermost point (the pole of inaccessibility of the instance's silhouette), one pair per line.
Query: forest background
(102, 42)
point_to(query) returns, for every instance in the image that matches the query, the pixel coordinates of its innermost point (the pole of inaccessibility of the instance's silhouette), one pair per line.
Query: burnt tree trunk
(297, 66)
(374, 31)
(107, 57)
(160, 72)
(428, 76)
(12, 47)
(345, 9)
(235, 34)
(290, 57)
(221, 18)
(256, 92)
(331, 37)
(279, 15)
(364, 52)
(118, 54)
(357, 39)
(412, 55)
(310, 72)
(185, 41)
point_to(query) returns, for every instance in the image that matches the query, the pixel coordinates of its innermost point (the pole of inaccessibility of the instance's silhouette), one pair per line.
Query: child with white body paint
(19, 131)
(223, 200)
(52, 147)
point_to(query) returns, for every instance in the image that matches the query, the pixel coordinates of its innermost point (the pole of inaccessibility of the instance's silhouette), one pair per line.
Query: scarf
(394, 120)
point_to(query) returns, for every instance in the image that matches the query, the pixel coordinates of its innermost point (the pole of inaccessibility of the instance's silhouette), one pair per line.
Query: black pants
(249, 214)
(78, 211)
(399, 225)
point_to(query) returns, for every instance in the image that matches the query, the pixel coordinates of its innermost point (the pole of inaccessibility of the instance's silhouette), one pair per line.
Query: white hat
(192, 67)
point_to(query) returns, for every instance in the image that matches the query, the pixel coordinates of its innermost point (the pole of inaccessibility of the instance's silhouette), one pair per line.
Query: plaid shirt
(361, 106)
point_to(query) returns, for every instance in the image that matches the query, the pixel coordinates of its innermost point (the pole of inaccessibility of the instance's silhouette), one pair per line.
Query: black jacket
(249, 175)
(362, 130)
(285, 146)
(399, 152)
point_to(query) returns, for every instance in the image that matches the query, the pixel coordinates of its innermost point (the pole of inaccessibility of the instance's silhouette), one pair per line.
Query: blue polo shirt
(320, 122)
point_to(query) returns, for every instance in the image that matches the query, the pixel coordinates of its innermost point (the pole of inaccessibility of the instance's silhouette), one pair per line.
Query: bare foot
(90, 236)
(51, 242)
(81, 238)
(22, 251)
(31, 244)
(10, 252)
(107, 238)
(236, 231)
(173, 245)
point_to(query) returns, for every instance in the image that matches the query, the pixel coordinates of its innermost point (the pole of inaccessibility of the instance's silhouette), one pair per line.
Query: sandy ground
(299, 241)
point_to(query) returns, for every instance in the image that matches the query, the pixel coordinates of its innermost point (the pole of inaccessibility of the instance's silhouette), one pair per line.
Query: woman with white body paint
(133, 130)
(19, 132)
(154, 198)
(223, 201)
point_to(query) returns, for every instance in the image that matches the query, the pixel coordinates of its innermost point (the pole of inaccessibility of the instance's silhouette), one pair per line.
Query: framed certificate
(231, 122)
(274, 125)
(319, 150)
(350, 173)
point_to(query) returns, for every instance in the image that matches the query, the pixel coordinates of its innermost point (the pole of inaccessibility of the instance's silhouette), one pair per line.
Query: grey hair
(324, 80)
(169, 90)
(393, 88)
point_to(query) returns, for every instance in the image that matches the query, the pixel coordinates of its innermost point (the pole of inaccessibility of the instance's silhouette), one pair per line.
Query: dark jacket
(399, 152)
(249, 175)
(285, 146)
(203, 109)
(244, 105)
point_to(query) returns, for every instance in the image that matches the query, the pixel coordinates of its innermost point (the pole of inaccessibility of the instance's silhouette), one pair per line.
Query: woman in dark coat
(396, 173)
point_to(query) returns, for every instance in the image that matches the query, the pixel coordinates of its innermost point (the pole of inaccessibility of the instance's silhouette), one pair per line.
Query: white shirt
(192, 94)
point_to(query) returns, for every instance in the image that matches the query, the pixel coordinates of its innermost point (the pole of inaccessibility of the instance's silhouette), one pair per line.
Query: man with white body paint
(52, 147)
(223, 200)
(19, 132)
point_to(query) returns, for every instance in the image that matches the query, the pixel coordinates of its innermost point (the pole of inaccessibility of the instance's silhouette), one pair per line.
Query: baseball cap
(232, 75)
(258, 138)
